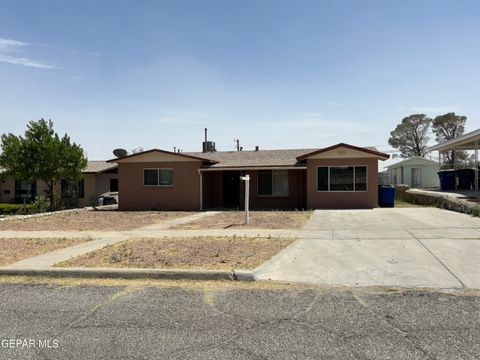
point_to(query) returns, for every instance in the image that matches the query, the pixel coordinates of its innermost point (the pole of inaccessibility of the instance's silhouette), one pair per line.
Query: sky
(272, 73)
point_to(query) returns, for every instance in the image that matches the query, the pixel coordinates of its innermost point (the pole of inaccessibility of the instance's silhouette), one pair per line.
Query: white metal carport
(468, 141)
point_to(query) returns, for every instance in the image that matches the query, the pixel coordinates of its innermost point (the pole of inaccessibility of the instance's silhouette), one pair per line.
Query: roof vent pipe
(204, 147)
(257, 148)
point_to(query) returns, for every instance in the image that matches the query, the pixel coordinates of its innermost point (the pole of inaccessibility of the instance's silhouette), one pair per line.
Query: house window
(158, 177)
(75, 190)
(272, 183)
(25, 191)
(113, 185)
(342, 178)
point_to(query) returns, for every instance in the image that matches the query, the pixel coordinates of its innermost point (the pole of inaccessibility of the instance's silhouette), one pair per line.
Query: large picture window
(158, 177)
(272, 183)
(25, 191)
(74, 190)
(342, 178)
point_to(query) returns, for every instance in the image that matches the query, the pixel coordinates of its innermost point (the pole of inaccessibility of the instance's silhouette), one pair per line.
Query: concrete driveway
(407, 247)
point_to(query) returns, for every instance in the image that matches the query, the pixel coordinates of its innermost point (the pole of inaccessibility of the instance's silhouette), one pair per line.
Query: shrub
(14, 209)
(40, 205)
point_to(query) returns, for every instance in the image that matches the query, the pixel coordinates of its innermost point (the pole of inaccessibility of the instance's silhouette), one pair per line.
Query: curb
(169, 274)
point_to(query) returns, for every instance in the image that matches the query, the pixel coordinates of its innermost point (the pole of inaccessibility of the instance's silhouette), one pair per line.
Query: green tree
(447, 127)
(411, 136)
(42, 155)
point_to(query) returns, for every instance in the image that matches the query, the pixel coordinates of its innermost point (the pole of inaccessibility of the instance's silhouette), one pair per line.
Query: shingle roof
(98, 166)
(261, 158)
(92, 167)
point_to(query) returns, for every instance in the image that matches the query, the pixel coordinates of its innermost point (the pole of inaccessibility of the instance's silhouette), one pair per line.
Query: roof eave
(456, 143)
(116, 160)
(381, 156)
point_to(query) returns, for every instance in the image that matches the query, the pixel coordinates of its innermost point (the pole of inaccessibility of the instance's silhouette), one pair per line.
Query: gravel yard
(13, 250)
(188, 253)
(91, 220)
(258, 220)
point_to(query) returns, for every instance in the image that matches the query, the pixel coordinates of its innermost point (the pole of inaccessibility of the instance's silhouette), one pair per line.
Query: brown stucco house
(339, 176)
(99, 179)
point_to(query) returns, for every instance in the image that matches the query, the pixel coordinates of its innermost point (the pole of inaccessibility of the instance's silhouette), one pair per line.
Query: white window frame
(342, 191)
(272, 195)
(158, 177)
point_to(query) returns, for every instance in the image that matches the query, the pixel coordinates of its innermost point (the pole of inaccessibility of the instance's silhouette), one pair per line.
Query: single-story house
(99, 178)
(339, 176)
(416, 172)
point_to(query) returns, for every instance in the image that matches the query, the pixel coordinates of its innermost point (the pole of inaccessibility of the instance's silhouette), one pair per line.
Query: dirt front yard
(189, 253)
(91, 220)
(258, 220)
(13, 250)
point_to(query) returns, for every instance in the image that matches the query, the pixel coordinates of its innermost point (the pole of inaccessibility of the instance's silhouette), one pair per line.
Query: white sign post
(246, 178)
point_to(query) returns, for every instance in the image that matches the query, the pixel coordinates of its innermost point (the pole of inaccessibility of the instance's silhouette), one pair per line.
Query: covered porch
(271, 188)
(468, 141)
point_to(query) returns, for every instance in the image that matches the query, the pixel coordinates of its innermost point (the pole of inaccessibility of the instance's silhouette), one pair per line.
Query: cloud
(11, 52)
(181, 118)
(316, 123)
(429, 110)
(174, 121)
(335, 104)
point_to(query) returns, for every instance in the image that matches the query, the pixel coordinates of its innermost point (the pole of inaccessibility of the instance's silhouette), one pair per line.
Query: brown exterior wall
(95, 184)
(183, 195)
(342, 200)
(102, 182)
(7, 188)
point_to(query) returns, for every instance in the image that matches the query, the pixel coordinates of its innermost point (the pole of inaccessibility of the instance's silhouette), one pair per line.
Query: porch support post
(201, 189)
(476, 165)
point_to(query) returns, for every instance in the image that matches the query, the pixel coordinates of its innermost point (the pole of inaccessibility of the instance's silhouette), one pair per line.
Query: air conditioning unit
(209, 146)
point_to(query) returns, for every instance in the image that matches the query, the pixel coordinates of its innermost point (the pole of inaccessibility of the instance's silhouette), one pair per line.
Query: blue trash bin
(447, 179)
(386, 196)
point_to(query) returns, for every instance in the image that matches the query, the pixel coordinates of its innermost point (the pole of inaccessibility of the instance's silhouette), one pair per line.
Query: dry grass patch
(92, 220)
(187, 253)
(404, 204)
(258, 220)
(13, 250)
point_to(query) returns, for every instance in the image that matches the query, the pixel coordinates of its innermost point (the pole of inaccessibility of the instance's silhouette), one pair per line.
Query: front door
(231, 189)
(416, 177)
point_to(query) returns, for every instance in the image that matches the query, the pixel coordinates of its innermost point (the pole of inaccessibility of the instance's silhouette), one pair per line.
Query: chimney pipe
(205, 147)
(257, 148)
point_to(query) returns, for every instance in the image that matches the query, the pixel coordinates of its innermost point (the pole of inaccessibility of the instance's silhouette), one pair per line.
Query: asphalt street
(214, 322)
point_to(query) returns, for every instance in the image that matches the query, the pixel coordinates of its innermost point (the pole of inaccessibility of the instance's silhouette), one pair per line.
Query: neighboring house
(99, 178)
(416, 172)
(340, 176)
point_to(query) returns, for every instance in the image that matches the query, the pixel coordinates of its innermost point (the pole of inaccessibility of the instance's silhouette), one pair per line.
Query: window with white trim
(272, 183)
(342, 178)
(158, 177)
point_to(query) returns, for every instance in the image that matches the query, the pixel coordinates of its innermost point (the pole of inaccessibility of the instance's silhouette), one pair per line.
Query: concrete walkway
(410, 247)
